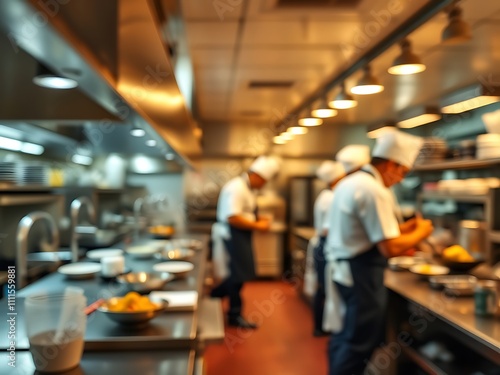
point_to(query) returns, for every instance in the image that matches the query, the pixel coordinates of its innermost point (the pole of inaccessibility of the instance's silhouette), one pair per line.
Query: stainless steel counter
(172, 330)
(458, 312)
(123, 363)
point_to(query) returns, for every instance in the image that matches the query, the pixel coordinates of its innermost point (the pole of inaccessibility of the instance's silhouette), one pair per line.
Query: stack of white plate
(433, 150)
(488, 146)
(8, 173)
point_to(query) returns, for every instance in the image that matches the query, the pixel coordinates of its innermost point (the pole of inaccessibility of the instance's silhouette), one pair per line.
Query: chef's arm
(241, 222)
(397, 246)
(408, 225)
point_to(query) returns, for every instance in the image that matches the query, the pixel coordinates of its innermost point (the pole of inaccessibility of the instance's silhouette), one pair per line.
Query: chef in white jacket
(330, 172)
(237, 218)
(363, 233)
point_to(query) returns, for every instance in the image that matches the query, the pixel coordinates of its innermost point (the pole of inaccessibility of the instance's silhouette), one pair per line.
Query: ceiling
(238, 42)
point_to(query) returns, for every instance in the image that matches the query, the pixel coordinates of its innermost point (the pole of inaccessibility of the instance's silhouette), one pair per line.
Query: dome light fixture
(305, 119)
(322, 110)
(407, 63)
(297, 130)
(368, 84)
(47, 78)
(343, 100)
(457, 31)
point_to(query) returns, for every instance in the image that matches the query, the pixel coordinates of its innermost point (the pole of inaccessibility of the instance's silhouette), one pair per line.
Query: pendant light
(407, 63)
(286, 136)
(278, 140)
(322, 110)
(297, 130)
(368, 84)
(457, 31)
(343, 100)
(305, 119)
(47, 78)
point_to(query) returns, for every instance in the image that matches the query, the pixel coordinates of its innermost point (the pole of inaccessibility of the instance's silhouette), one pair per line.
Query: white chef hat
(329, 171)
(353, 156)
(401, 148)
(265, 166)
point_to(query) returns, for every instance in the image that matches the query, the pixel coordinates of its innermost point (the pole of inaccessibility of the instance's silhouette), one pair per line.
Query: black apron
(241, 262)
(364, 322)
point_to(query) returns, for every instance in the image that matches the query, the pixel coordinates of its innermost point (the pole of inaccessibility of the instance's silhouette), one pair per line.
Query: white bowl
(98, 254)
(179, 269)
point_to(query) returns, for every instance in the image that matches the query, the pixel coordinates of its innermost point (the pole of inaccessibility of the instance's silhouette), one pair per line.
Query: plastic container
(55, 325)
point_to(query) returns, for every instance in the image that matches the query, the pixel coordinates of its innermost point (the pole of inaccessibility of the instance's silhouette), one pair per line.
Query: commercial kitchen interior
(211, 84)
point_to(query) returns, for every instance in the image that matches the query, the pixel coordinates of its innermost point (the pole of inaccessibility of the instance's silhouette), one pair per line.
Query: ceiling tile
(289, 56)
(205, 34)
(212, 57)
(221, 10)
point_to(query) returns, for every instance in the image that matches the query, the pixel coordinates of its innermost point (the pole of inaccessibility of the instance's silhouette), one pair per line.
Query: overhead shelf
(494, 236)
(457, 164)
(466, 198)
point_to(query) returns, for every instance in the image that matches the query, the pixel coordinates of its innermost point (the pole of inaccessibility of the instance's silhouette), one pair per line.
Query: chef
(353, 157)
(330, 172)
(237, 218)
(363, 233)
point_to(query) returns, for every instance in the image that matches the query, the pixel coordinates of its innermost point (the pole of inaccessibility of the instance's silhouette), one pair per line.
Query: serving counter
(176, 331)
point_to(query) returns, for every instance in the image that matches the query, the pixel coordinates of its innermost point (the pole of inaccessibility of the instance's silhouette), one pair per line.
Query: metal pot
(472, 236)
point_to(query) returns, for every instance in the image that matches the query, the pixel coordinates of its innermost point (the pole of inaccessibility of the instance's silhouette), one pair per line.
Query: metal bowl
(440, 282)
(145, 282)
(132, 318)
(175, 254)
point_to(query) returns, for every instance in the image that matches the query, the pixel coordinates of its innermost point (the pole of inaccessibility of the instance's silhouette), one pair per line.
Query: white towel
(334, 310)
(310, 278)
(220, 256)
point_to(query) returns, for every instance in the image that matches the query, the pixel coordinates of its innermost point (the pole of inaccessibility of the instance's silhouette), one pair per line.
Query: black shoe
(320, 333)
(239, 321)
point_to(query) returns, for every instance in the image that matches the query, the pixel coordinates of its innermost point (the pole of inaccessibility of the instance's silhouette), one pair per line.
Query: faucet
(75, 229)
(23, 230)
(138, 203)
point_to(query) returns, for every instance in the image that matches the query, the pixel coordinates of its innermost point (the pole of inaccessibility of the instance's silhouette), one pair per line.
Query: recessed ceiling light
(47, 78)
(137, 132)
(81, 159)
(170, 156)
(151, 143)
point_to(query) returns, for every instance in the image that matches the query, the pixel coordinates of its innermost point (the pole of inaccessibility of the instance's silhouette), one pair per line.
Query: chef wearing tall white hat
(353, 157)
(329, 172)
(366, 233)
(236, 219)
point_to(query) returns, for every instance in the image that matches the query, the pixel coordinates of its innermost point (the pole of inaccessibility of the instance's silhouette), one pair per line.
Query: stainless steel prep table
(172, 330)
(129, 363)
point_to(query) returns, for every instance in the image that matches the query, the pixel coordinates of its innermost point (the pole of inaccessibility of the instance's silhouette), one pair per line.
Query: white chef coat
(321, 206)
(236, 198)
(361, 215)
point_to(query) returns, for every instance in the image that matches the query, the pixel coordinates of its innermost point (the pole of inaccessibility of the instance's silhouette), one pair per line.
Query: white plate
(80, 270)
(142, 251)
(429, 270)
(404, 262)
(173, 267)
(101, 253)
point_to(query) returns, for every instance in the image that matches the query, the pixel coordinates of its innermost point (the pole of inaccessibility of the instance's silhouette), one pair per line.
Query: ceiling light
(151, 143)
(81, 159)
(419, 116)
(376, 131)
(457, 31)
(10, 144)
(368, 84)
(32, 148)
(278, 140)
(297, 130)
(137, 132)
(470, 98)
(407, 63)
(170, 156)
(343, 100)
(47, 78)
(306, 120)
(321, 110)
(287, 136)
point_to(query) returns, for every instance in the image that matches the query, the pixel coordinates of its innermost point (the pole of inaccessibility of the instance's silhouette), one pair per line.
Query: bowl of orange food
(459, 259)
(426, 270)
(132, 309)
(162, 231)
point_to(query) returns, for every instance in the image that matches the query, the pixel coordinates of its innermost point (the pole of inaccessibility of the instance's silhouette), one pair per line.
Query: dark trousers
(231, 289)
(319, 297)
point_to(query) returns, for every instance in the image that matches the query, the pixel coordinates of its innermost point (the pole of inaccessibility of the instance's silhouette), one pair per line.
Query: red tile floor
(283, 344)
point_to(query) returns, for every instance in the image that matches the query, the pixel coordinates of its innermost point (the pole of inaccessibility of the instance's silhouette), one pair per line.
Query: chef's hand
(424, 226)
(263, 225)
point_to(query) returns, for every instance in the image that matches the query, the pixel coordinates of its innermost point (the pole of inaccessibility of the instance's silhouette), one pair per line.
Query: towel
(220, 257)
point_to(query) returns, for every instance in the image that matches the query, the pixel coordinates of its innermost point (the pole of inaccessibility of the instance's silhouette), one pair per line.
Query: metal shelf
(457, 164)
(466, 198)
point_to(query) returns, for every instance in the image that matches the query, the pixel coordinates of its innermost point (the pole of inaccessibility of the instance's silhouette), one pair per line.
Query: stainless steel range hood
(114, 51)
